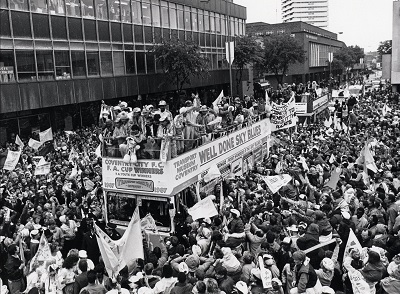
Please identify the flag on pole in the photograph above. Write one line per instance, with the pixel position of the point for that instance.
(72, 155)
(202, 209)
(305, 125)
(369, 160)
(266, 98)
(110, 260)
(212, 173)
(98, 151)
(218, 101)
(46, 135)
(43, 253)
(221, 197)
(334, 179)
(19, 142)
(34, 144)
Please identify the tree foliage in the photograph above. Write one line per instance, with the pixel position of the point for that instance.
(385, 47)
(280, 51)
(181, 61)
(247, 51)
(347, 57)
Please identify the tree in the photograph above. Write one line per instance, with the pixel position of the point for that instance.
(180, 61)
(247, 51)
(347, 57)
(385, 47)
(280, 51)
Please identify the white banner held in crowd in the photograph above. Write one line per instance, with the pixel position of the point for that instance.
(34, 144)
(274, 183)
(43, 253)
(19, 142)
(218, 101)
(42, 169)
(46, 135)
(283, 116)
(203, 208)
(352, 242)
(11, 160)
(212, 173)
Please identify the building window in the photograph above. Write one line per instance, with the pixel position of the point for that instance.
(106, 64)
(223, 25)
(19, 5)
(181, 19)
(155, 10)
(63, 67)
(41, 26)
(7, 66)
(4, 24)
(93, 63)
(146, 14)
(151, 64)
(116, 32)
(75, 29)
(114, 10)
(3, 4)
(126, 11)
(148, 35)
(73, 7)
(194, 19)
(212, 22)
(136, 12)
(103, 28)
(59, 30)
(78, 64)
(57, 7)
(200, 21)
(39, 6)
(138, 30)
(87, 8)
(172, 17)
(101, 9)
(118, 63)
(90, 30)
(128, 34)
(141, 63)
(21, 24)
(45, 65)
(26, 66)
(217, 23)
(188, 24)
(206, 21)
(130, 62)
(164, 16)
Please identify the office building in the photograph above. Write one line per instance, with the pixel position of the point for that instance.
(316, 42)
(60, 58)
(313, 12)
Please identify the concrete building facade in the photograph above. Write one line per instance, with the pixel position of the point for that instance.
(313, 12)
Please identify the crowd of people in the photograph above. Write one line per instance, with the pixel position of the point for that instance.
(259, 242)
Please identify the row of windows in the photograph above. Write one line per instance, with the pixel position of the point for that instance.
(24, 65)
(158, 14)
(61, 28)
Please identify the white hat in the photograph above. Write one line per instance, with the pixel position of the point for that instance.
(183, 267)
(162, 103)
(327, 290)
(62, 218)
(287, 240)
(235, 212)
(242, 287)
(328, 264)
(37, 226)
(123, 104)
(182, 110)
(34, 232)
(82, 254)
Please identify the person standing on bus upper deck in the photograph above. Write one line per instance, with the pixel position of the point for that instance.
(163, 110)
(167, 130)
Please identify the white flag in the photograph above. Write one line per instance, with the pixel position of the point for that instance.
(274, 183)
(352, 242)
(43, 169)
(34, 144)
(202, 209)
(212, 173)
(46, 135)
(43, 253)
(11, 159)
(19, 142)
(110, 260)
(72, 155)
(218, 101)
(332, 159)
(98, 151)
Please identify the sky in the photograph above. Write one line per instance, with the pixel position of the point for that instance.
(365, 23)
